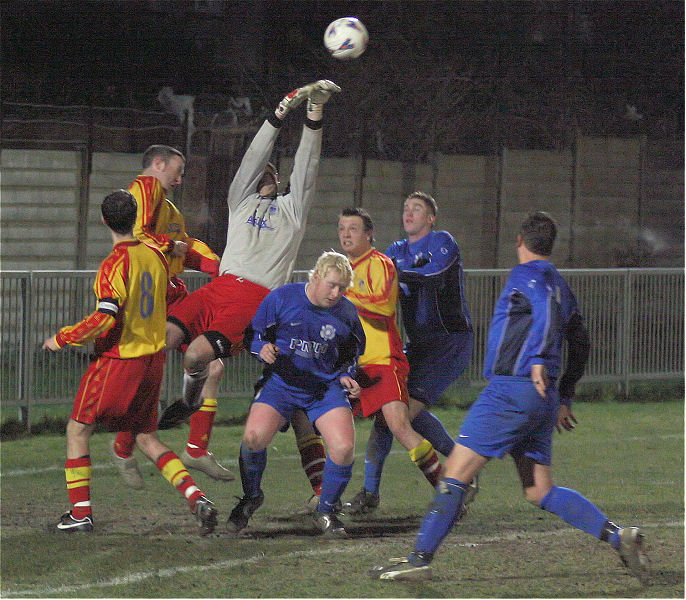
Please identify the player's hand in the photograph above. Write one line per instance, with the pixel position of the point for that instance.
(269, 353)
(319, 95)
(292, 100)
(179, 249)
(565, 419)
(352, 387)
(50, 344)
(540, 379)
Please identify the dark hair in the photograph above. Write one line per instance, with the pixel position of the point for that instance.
(160, 151)
(538, 233)
(358, 211)
(426, 199)
(119, 211)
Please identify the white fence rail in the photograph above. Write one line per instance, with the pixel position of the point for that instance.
(635, 318)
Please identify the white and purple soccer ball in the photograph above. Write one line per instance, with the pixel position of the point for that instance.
(346, 38)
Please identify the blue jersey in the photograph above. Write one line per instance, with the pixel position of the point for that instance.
(316, 345)
(431, 285)
(534, 314)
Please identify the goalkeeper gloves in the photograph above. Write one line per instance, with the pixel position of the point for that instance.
(318, 96)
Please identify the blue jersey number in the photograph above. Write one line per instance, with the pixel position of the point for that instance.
(147, 303)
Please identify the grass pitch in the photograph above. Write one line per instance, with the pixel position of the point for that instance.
(626, 457)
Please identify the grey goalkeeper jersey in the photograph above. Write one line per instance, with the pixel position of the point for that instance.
(264, 234)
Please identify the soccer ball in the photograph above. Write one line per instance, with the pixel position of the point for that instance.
(346, 38)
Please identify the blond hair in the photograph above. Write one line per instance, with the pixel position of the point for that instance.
(333, 260)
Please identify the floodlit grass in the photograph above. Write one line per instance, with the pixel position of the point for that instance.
(626, 457)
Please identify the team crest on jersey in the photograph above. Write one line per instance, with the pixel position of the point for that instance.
(174, 228)
(327, 332)
(260, 222)
(360, 284)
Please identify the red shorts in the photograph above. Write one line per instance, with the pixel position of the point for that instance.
(176, 291)
(121, 393)
(226, 304)
(380, 385)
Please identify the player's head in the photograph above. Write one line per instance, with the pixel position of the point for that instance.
(329, 279)
(538, 233)
(119, 211)
(355, 231)
(419, 214)
(165, 163)
(269, 183)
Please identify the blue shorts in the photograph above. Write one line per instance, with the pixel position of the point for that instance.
(435, 365)
(287, 399)
(509, 417)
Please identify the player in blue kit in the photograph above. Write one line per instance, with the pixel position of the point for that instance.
(439, 331)
(518, 410)
(309, 336)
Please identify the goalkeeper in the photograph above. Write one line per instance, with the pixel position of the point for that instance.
(263, 237)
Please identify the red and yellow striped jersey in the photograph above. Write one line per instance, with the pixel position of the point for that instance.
(159, 223)
(130, 317)
(374, 291)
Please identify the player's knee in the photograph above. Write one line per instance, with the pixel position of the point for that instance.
(254, 440)
(343, 452)
(196, 359)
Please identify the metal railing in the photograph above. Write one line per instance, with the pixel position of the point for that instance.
(635, 319)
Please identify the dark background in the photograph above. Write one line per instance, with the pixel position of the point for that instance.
(465, 76)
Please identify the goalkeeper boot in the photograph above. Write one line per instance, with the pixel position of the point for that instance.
(414, 568)
(329, 524)
(631, 551)
(175, 414)
(69, 524)
(128, 469)
(241, 513)
(208, 464)
(363, 502)
(206, 513)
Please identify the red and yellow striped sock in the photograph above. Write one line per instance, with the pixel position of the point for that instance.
(201, 428)
(425, 457)
(77, 472)
(312, 459)
(124, 444)
(174, 472)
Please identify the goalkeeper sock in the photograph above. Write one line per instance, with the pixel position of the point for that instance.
(124, 444)
(201, 428)
(576, 510)
(252, 466)
(430, 427)
(378, 448)
(77, 472)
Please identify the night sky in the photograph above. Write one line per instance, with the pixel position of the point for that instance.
(529, 71)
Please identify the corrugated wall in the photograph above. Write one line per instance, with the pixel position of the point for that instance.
(619, 202)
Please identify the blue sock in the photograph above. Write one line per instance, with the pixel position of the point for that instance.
(445, 510)
(430, 427)
(378, 448)
(334, 480)
(580, 512)
(252, 465)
